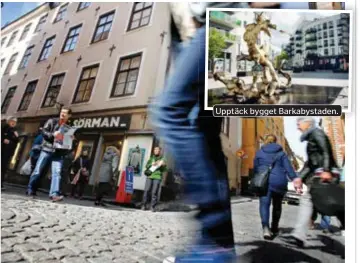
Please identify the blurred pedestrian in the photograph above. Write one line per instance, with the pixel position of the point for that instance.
(81, 168)
(107, 175)
(9, 141)
(157, 166)
(36, 149)
(320, 164)
(66, 172)
(272, 155)
(325, 222)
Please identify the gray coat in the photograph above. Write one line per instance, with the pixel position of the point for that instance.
(109, 164)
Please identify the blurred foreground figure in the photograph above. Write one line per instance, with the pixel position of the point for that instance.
(196, 146)
(321, 165)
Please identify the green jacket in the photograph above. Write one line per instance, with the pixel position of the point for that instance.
(159, 172)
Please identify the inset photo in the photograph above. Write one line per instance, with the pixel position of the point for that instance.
(278, 57)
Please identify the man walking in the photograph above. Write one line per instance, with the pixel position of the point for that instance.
(53, 130)
(157, 166)
(321, 162)
(9, 140)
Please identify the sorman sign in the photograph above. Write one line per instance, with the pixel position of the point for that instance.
(103, 122)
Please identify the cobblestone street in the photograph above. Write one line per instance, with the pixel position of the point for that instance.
(36, 230)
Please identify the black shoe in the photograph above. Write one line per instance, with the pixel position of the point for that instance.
(275, 231)
(97, 203)
(103, 204)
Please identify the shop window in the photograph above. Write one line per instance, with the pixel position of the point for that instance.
(10, 64)
(140, 15)
(83, 5)
(46, 50)
(225, 126)
(53, 90)
(26, 99)
(3, 40)
(25, 32)
(12, 38)
(86, 84)
(25, 60)
(126, 76)
(18, 152)
(7, 100)
(71, 39)
(41, 23)
(61, 13)
(103, 27)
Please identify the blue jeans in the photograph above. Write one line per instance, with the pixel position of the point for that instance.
(56, 167)
(44, 158)
(265, 202)
(325, 222)
(196, 149)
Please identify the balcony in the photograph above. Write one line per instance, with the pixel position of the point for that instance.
(298, 45)
(298, 32)
(332, 45)
(331, 26)
(311, 38)
(299, 51)
(313, 47)
(310, 31)
(298, 38)
(332, 35)
(291, 39)
(223, 19)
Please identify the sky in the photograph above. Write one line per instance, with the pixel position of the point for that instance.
(293, 136)
(13, 10)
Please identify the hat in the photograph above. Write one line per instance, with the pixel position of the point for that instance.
(11, 118)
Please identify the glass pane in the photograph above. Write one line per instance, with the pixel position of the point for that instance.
(138, 6)
(135, 62)
(102, 20)
(130, 87)
(94, 72)
(53, 81)
(119, 89)
(100, 30)
(82, 86)
(148, 4)
(145, 21)
(135, 24)
(104, 35)
(136, 16)
(72, 46)
(107, 27)
(60, 80)
(122, 77)
(147, 12)
(110, 18)
(90, 85)
(133, 75)
(87, 95)
(86, 74)
(79, 96)
(125, 64)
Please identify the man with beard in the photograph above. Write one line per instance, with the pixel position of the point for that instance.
(9, 140)
(320, 164)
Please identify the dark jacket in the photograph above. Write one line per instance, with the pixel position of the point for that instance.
(282, 169)
(51, 126)
(319, 153)
(8, 133)
(77, 164)
(36, 146)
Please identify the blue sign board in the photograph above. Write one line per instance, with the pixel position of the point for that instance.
(129, 180)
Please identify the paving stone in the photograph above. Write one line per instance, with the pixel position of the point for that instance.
(5, 248)
(11, 257)
(28, 247)
(100, 260)
(62, 253)
(74, 260)
(51, 246)
(12, 241)
(7, 215)
(7, 234)
(35, 257)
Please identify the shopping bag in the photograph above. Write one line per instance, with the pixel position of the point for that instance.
(26, 168)
(328, 197)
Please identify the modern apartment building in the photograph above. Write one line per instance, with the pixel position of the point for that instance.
(104, 60)
(321, 44)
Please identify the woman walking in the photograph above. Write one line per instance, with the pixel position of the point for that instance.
(272, 154)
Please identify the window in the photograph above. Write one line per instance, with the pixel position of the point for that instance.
(333, 51)
(45, 52)
(53, 90)
(3, 40)
(61, 13)
(25, 60)
(83, 5)
(140, 15)
(86, 84)
(25, 32)
(326, 52)
(326, 43)
(41, 23)
(71, 39)
(103, 27)
(26, 99)
(7, 100)
(10, 64)
(325, 34)
(225, 126)
(12, 38)
(126, 76)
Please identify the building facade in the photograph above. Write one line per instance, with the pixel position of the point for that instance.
(321, 44)
(334, 127)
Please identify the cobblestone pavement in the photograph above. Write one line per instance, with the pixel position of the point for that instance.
(37, 230)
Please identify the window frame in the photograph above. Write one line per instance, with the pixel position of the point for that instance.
(43, 48)
(48, 90)
(133, 12)
(60, 10)
(80, 9)
(67, 38)
(12, 38)
(25, 32)
(36, 81)
(98, 25)
(41, 22)
(22, 60)
(3, 111)
(6, 71)
(88, 79)
(118, 71)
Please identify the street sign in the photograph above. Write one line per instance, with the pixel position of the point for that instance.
(129, 180)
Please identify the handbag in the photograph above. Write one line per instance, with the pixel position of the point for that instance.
(26, 168)
(328, 197)
(260, 182)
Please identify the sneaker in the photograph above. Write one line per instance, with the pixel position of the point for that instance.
(267, 233)
(97, 203)
(343, 233)
(57, 198)
(153, 209)
(143, 208)
(221, 255)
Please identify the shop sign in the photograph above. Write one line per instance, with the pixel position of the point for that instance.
(103, 122)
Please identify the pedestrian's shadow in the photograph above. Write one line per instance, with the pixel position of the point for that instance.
(271, 252)
(332, 246)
